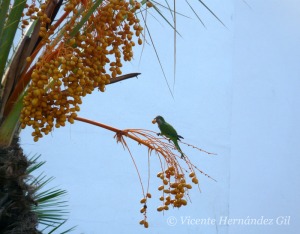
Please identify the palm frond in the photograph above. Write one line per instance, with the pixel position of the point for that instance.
(160, 63)
(50, 208)
(34, 163)
(8, 31)
(195, 14)
(158, 7)
(165, 18)
(57, 227)
(207, 8)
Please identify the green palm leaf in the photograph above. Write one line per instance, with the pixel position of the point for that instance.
(50, 208)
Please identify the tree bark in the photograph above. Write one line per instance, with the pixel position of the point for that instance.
(16, 196)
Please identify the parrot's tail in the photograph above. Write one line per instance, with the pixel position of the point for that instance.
(178, 148)
(178, 137)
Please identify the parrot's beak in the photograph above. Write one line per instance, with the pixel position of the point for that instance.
(154, 121)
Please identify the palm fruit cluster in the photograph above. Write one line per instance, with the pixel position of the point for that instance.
(30, 14)
(174, 188)
(143, 210)
(74, 65)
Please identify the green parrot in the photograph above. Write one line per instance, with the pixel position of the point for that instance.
(168, 131)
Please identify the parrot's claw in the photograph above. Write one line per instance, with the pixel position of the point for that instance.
(182, 156)
(158, 134)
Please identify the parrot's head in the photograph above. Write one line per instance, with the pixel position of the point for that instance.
(158, 119)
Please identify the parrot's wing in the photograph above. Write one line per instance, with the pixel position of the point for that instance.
(168, 130)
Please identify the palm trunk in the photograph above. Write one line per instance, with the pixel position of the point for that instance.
(16, 198)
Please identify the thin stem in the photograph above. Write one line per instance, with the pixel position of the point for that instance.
(124, 77)
(118, 131)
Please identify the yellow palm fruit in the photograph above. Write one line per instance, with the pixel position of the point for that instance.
(143, 200)
(142, 222)
(195, 180)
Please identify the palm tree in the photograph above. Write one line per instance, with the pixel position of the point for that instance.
(53, 53)
(16, 195)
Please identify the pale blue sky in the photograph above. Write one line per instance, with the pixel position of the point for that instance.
(235, 94)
